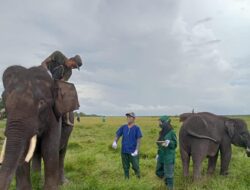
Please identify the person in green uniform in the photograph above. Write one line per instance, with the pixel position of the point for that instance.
(60, 68)
(167, 143)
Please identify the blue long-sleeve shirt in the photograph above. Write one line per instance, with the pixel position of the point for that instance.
(129, 137)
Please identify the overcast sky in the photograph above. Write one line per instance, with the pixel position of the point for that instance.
(152, 57)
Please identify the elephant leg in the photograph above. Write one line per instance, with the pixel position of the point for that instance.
(226, 153)
(37, 162)
(212, 164)
(37, 159)
(23, 181)
(185, 157)
(197, 163)
(66, 131)
(62, 178)
(50, 154)
(198, 154)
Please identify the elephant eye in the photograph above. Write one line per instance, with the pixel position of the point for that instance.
(42, 104)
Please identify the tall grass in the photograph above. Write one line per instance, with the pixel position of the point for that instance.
(91, 163)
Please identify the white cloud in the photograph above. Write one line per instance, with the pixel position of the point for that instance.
(89, 91)
(166, 56)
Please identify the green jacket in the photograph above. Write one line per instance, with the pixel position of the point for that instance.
(167, 154)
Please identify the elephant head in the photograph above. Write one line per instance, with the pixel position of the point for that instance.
(239, 134)
(31, 99)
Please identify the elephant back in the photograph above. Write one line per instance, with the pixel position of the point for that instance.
(203, 127)
(184, 116)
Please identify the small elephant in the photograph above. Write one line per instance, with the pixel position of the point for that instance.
(34, 104)
(205, 135)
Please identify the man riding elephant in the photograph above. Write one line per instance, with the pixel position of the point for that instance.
(60, 68)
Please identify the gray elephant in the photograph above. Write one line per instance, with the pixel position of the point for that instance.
(205, 135)
(34, 104)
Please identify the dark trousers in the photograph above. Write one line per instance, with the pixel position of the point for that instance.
(166, 171)
(134, 160)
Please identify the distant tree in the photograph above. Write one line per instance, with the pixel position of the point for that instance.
(82, 114)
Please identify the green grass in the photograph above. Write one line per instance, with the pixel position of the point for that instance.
(92, 164)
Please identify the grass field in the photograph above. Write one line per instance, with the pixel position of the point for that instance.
(92, 164)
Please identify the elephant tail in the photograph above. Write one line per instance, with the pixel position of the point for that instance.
(202, 136)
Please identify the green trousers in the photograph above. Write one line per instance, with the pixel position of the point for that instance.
(166, 171)
(134, 160)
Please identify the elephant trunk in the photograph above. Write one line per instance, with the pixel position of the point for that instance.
(11, 157)
(30, 152)
(11, 154)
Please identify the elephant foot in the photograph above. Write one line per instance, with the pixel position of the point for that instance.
(225, 173)
(210, 172)
(63, 180)
(46, 187)
(28, 187)
(196, 178)
(186, 174)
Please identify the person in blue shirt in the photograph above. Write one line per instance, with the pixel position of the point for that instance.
(131, 138)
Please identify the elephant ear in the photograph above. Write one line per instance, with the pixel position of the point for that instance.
(199, 127)
(66, 99)
(230, 127)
